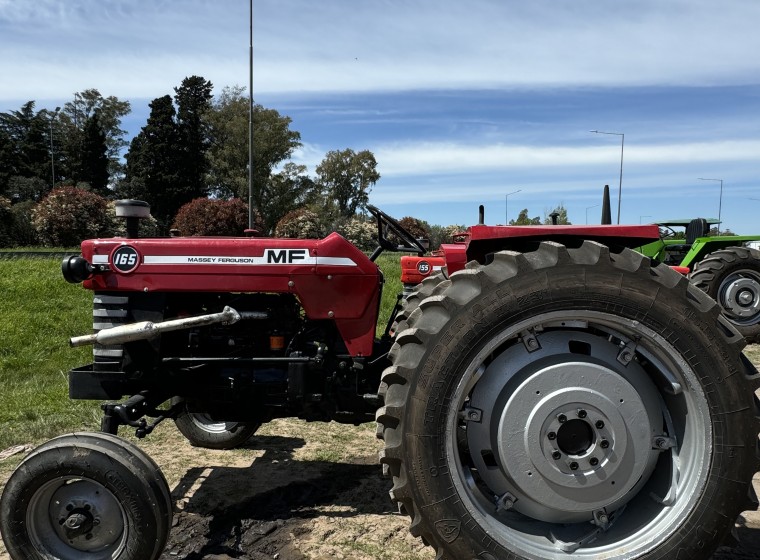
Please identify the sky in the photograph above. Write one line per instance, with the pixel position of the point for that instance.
(462, 103)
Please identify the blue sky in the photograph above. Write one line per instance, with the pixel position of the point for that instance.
(461, 102)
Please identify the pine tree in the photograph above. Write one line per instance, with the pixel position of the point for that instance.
(93, 167)
(193, 101)
(152, 172)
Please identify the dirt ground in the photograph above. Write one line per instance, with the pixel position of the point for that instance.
(282, 498)
(276, 503)
(301, 491)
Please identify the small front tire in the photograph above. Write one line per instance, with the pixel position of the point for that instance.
(85, 495)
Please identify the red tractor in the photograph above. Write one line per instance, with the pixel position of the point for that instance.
(550, 396)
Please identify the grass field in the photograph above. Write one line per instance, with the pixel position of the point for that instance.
(38, 312)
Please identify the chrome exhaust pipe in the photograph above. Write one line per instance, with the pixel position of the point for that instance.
(146, 330)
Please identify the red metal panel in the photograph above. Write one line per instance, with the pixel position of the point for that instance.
(415, 269)
(331, 278)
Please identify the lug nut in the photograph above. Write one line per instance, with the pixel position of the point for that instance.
(599, 424)
(556, 455)
(594, 461)
(573, 466)
(582, 413)
(552, 436)
(604, 444)
(562, 418)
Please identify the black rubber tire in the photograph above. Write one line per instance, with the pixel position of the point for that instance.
(103, 477)
(427, 397)
(423, 290)
(202, 431)
(150, 471)
(718, 271)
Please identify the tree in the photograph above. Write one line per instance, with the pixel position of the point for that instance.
(228, 150)
(284, 192)
(193, 101)
(274, 193)
(273, 143)
(6, 223)
(93, 167)
(443, 234)
(74, 117)
(524, 220)
(7, 158)
(714, 232)
(25, 144)
(152, 172)
(347, 177)
(562, 218)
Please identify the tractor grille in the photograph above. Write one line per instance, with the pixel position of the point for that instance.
(108, 311)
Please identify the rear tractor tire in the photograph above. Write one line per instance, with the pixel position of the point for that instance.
(203, 431)
(570, 403)
(89, 496)
(732, 278)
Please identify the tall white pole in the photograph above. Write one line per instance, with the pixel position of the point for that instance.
(250, 121)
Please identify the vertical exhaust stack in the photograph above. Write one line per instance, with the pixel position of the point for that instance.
(481, 215)
(133, 211)
(606, 210)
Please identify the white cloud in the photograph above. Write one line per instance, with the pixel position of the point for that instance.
(142, 48)
(431, 158)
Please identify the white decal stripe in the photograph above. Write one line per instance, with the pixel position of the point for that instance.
(100, 259)
(243, 261)
(335, 261)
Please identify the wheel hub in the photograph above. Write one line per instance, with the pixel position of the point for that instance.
(740, 297)
(564, 439)
(575, 437)
(576, 473)
(85, 516)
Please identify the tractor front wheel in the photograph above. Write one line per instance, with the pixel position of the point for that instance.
(732, 278)
(86, 495)
(569, 403)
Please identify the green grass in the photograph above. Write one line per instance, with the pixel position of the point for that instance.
(390, 264)
(39, 311)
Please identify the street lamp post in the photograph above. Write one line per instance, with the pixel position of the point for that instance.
(589, 208)
(506, 206)
(622, 147)
(720, 199)
(52, 151)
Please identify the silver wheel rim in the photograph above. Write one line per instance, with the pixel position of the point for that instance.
(71, 517)
(543, 450)
(208, 424)
(739, 296)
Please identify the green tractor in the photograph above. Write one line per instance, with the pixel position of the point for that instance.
(723, 266)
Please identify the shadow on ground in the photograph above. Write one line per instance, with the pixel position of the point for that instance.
(258, 511)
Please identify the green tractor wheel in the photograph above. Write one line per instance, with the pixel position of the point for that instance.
(731, 276)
